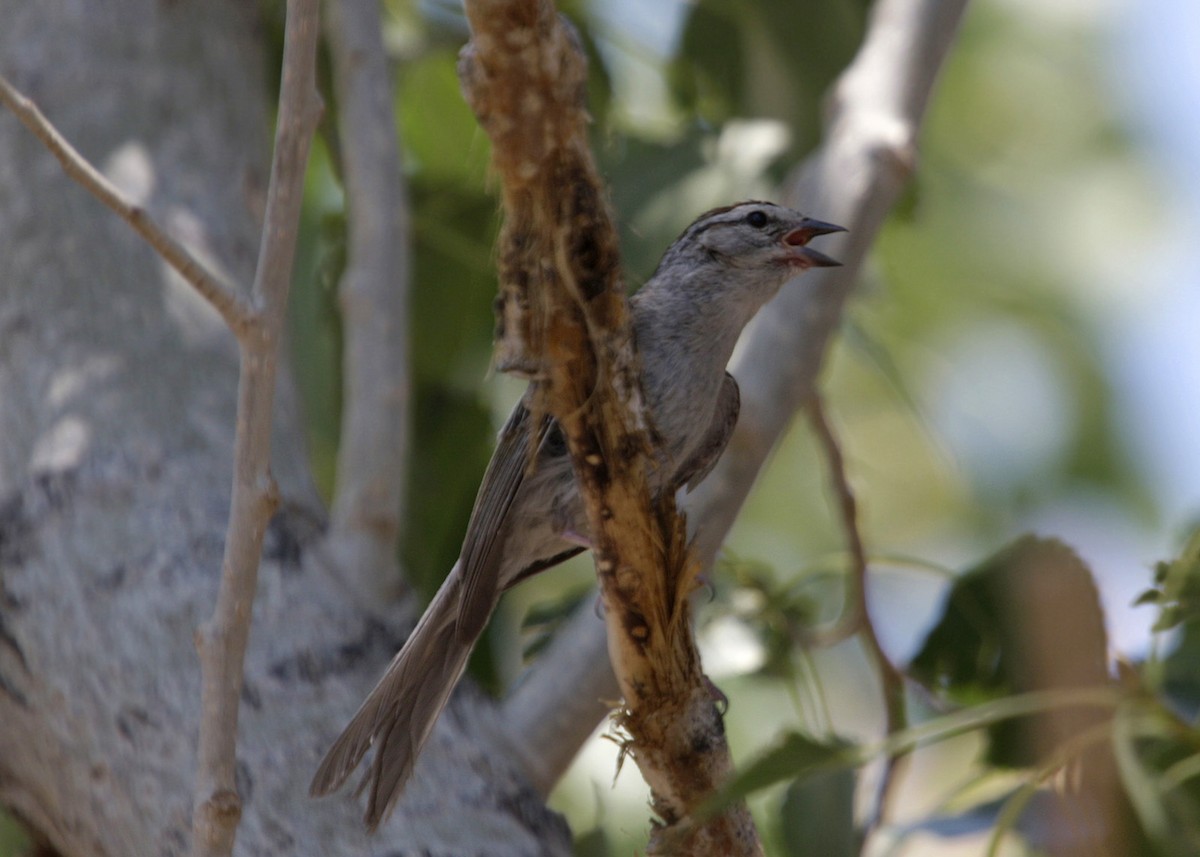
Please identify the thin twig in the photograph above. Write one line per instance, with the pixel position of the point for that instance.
(858, 614)
(223, 297)
(373, 450)
(222, 640)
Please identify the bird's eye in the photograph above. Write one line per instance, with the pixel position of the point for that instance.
(757, 219)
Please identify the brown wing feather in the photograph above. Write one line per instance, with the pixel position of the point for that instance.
(398, 715)
(486, 532)
(708, 452)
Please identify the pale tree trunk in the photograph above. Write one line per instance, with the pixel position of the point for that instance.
(117, 395)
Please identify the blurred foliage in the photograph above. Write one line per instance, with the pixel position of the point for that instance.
(972, 385)
(983, 648)
(795, 756)
(1176, 589)
(543, 620)
(984, 673)
(13, 839)
(729, 49)
(1177, 596)
(816, 817)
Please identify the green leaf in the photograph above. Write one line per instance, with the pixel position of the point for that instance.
(1026, 619)
(1178, 587)
(1150, 596)
(641, 171)
(594, 843)
(1150, 746)
(794, 756)
(817, 817)
(1181, 671)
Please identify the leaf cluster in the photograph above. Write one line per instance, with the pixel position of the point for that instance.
(1104, 762)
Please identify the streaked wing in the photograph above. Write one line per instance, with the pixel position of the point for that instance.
(486, 532)
(708, 452)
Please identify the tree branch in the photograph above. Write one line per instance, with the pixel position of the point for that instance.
(221, 641)
(854, 178)
(856, 618)
(373, 451)
(564, 323)
(223, 297)
(560, 699)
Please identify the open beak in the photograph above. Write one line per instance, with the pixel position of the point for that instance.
(799, 237)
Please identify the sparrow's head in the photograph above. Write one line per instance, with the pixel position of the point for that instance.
(759, 235)
(741, 254)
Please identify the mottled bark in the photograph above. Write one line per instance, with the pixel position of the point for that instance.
(117, 396)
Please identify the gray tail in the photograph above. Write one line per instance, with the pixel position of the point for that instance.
(398, 715)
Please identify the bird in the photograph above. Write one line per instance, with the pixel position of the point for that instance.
(528, 515)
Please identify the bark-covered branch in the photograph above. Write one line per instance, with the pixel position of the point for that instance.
(856, 618)
(854, 178)
(373, 445)
(564, 323)
(221, 641)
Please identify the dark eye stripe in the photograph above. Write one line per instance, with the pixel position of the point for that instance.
(712, 218)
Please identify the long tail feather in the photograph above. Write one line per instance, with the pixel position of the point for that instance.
(399, 714)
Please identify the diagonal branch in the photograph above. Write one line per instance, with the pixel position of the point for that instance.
(232, 307)
(854, 178)
(366, 510)
(857, 615)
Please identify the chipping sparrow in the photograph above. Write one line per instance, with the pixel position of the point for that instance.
(686, 320)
